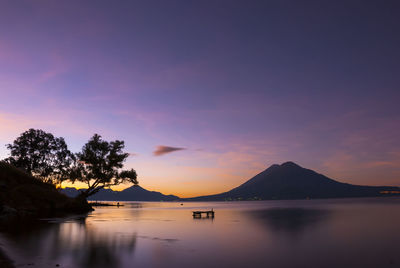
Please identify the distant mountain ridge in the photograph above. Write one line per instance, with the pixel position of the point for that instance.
(285, 181)
(133, 193)
(291, 181)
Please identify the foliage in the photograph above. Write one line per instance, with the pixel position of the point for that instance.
(42, 155)
(99, 164)
(47, 157)
(128, 176)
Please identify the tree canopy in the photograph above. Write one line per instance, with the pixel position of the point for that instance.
(42, 155)
(46, 157)
(99, 165)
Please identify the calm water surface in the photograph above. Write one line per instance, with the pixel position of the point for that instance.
(307, 233)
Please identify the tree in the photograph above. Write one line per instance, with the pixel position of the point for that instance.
(99, 165)
(42, 155)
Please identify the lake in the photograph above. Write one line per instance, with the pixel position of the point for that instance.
(299, 233)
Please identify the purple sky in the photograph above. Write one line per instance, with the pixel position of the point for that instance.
(208, 93)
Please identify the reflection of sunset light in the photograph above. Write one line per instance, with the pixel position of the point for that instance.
(390, 192)
(72, 233)
(141, 234)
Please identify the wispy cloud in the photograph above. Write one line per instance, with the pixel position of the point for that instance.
(162, 149)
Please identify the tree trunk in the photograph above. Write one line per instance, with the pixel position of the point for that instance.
(90, 191)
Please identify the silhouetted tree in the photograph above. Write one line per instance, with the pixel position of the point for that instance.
(99, 164)
(42, 155)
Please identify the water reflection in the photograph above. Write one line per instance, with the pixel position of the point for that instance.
(50, 242)
(103, 251)
(291, 220)
(280, 234)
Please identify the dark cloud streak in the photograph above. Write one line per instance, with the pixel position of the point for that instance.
(161, 150)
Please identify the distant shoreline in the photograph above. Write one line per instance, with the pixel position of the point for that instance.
(106, 202)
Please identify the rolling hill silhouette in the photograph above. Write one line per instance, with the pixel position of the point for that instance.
(291, 181)
(133, 193)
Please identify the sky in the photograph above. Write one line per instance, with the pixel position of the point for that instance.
(206, 94)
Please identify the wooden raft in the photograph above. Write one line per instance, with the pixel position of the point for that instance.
(208, 213)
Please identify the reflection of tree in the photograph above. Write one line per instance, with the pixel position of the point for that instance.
(291, 220)
(134, 205)
(104, 250)
(73, 242)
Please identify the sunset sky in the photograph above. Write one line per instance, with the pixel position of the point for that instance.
(207, 94)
